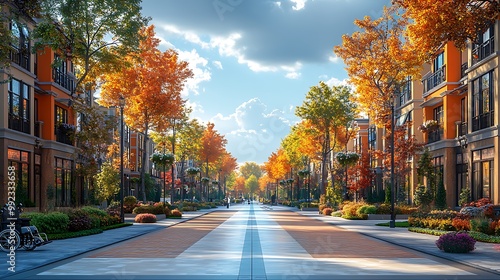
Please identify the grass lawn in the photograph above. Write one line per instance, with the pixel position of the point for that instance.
(398, 224)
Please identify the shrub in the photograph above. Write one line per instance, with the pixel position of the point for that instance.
(145, 218)
(176, 213)
(367, 209)
(129, 203)
(54, 222)
(151, 209)
(94, 211)
(327, 211)
(114, 209)
(384, 209)
(481, 225)
(456, 242)
(80, 220)
(461, 224)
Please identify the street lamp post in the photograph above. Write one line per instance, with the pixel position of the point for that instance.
(392, 223)
(122, 105)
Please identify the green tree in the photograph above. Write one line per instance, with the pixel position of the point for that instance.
(328, 109)
(251, 168)
(94, 34)
(440, 202)
(251, 184)
(107, 182)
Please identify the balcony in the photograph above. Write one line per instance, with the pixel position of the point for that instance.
(481, 51)
(434, 136)
(463, 68)
(461, 128)
(64, 136)
(482, 121)
(21, 58)
(19, 124)
(63, 79)
(434, 79)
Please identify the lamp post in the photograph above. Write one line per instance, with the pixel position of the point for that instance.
(122, 105)
(392, 223)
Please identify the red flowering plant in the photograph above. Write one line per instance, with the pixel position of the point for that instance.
(456, 242)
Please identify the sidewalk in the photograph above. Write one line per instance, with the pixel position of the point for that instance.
(63, 249)
(486, 256)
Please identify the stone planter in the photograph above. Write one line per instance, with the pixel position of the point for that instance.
(386, 217)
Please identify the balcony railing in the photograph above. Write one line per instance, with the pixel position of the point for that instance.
(63, 79)
(435, 79)
(481, 51)
(38, 128)
(63, 137)
(19, 124)
(434, 136)
(462, 129)
(21, 58)
(482, 121)
(463, 68)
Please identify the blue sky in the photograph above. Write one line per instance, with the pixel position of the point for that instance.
(255, 60)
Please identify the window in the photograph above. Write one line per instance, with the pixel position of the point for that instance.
(482, 173)
(63, 182)
(61, 116)
(60, 74)
(20, 53)
(462, 174)
(20, 160)
(19, 106)
(405, 92)
(438, 169)
(482, 102)
(438, 62)
(485, 45)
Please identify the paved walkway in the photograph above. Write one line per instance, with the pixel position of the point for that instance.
(252, 242)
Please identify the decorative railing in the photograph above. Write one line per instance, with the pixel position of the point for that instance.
(462, 128)
(63, 79)
(434, 79)
(434, 136)
(21, 58)
(19, 124)
(482, 121)
(463, 68)
(481, 51)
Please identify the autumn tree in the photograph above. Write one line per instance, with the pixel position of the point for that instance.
(327, 109)
(227, 164)
(379, 59)
(239, 186)
(151, 85)
(108, 183)
(433, 23)
(251, 168)
(94, 34)
(213, 146)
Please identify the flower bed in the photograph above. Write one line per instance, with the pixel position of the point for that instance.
(456, 242)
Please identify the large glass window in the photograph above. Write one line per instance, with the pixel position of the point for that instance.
(20, 53)
(19, 106)
(482, 102)
(484, 46)
(20, 161)
(438, 62)
(462, 174)
(482, 170)
(63, 182)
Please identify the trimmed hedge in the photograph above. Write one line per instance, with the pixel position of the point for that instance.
(51, 223)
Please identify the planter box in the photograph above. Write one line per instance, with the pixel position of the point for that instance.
(386, 217)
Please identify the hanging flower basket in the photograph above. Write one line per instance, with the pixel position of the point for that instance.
(193, 170)
(205, 180)
(66, 127)
(289, 181)
(303, 173)
(429, 125)
(162, 159)
(215, 182)
(348, 158)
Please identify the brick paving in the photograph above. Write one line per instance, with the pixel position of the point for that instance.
(322, 240)
(168, 242)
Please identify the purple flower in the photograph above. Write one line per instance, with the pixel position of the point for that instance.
(456, 242)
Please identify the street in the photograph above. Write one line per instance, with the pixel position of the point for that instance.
(254, 242)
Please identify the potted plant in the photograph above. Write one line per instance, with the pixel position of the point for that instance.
(429, 125)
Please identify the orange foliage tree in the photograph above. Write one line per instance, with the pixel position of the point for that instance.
(378, 59)
(277, 165)
(227, 164)
(436, 22)
(151, 83)
(213, 146)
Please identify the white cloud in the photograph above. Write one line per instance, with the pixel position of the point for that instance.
(292, 75)
(217, 64)
(253, 130)
(299, 4)
(335, 59)
(198, 65)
